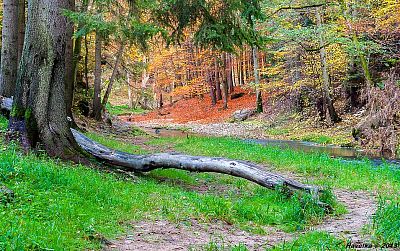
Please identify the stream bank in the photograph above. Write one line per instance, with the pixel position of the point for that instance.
(255, 133)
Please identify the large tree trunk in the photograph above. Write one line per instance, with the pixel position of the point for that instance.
(97, 80)
(113, 75)
(9, 49)
(325, 74)
(259, 101)
(39, 112)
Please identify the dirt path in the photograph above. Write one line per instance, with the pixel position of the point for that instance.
(164, 235)
(241, 130)
(167, 236)
(361, 206)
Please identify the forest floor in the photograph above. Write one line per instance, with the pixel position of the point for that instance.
(197, 116)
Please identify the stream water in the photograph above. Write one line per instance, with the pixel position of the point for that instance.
(346, 153)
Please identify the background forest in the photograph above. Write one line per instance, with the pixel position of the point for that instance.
(323, 63)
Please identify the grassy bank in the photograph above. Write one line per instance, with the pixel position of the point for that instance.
(61, 206)
(293, 126)
(118, 110)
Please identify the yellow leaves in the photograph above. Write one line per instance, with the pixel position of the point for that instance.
(388, 15)
(337, 61)
(133, 54)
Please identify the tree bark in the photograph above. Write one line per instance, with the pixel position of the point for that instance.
(113, 75)
(225, 81)
(325, 74)
(69, 71)
(78, 45)
(217, 79)
(21, 27)
(244, 68)
(228, 70)
(9, 49)
(39, 111)
(96, 113)
(212, 88)
(259, 100)
(130, 94)
(147, 163)
(87, 65)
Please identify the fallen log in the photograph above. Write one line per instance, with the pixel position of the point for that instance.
(6, 104)
(146, 163)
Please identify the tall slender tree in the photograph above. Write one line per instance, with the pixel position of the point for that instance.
(328, 102)
(97, 108)
(9, 49)
(21, 26)
(259, 99)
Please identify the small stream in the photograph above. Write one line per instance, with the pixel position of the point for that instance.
(346, 153)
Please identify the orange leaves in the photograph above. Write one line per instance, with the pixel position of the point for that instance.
(199, 110)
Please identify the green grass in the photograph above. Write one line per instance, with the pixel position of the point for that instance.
(123, 110)
(63, 206)
(313, 241)
(113, 143)
(220, 246)
(386, 223)
(317, 168)
(3, 124)
(277, 131)
(317, 138)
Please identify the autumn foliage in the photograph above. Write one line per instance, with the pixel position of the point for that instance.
(196, 110)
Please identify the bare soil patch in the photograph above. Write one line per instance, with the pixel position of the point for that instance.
(164, 235)
(361, 207)
(167, 236)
